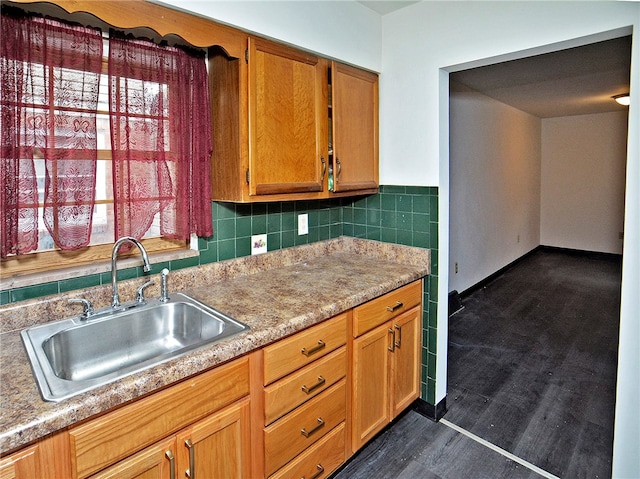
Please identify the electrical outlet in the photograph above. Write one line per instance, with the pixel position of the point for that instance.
(303, 224)
(258, 244)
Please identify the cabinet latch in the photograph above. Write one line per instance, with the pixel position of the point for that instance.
(246, 55)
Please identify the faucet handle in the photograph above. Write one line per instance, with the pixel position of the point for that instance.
(140, 293)
(164, 290)
(87, 307)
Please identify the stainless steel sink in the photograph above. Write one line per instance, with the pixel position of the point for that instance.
(75, 355)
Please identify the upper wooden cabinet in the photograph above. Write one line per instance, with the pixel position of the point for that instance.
(287, 126)
(271, 125)
(354, 111)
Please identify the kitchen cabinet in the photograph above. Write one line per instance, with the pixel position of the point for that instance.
(185, 426)
(217, 446)
(354, 135)
(45, 459)
(305, 393)
(386, 360)
(22, 464)
(294, 137)
(287, 127)
(269, 123)
(154, 462)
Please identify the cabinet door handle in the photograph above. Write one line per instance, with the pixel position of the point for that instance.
(395, 307)
(339, 169)
(324, 168)
(308, 352)
(315, 428)
(317, 474)
(399, 341)
(393, 340)
(309, 390)
(191, 472)
(172, 464)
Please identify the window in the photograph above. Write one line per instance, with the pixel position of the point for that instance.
(77, 187)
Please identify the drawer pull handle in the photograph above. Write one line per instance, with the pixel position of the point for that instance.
(399, 341)
(172, 464)
(315, 428)
(308, 352)
(309, 390)
(191, 472)
(398, 305)
(317, 474)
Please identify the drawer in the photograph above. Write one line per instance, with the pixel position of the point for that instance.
(116, 435)
(302, 348)
(292, 434)
(375, 312)
(288, 393)
(319, 461)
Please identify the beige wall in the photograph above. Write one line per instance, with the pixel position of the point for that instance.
(583, 176)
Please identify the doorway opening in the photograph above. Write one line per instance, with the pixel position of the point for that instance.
(533, 163)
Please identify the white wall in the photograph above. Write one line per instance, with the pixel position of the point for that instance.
(583, 175)
(494, 186)
(342, 30)
(420, 44)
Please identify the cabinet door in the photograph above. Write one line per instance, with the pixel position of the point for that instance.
(355, 128)
(218, 446)
(370, 406)
(22, 464)
(287, 120)
(154, 462)
(405, 364)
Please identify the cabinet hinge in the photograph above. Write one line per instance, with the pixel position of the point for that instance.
(246, 55)
(247, 176)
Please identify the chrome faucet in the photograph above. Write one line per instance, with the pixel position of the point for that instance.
(115, 298)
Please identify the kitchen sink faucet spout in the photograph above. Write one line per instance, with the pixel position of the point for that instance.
(115, 298)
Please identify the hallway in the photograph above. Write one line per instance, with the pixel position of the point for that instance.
(532, 367)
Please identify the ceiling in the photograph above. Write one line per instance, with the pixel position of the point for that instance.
(575, 81)
(386, 6)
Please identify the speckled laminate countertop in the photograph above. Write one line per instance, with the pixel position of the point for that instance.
(275, 294)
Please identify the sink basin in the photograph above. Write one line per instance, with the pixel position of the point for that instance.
(73, 355)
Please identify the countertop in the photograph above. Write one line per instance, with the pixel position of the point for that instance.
(276, 294)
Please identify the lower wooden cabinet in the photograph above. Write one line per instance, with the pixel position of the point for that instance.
(216, 447)
(386, 363)
(48, 458)
(206, 416)
(319, 460)
(294, 433)
(23, 464)
(155, 462)
(305, 394)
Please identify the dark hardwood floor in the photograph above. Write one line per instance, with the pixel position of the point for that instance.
(532, 369)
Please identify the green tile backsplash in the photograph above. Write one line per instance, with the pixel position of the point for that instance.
(397, 214)
(405, 215)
